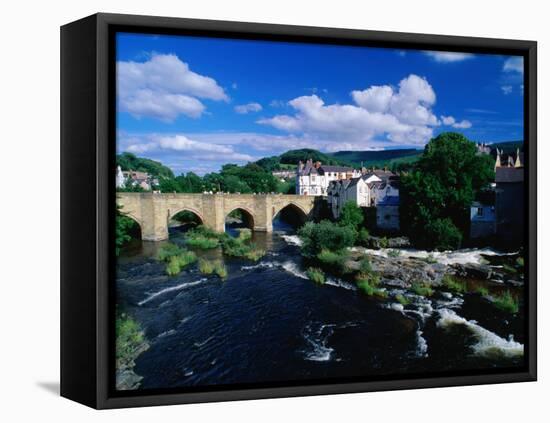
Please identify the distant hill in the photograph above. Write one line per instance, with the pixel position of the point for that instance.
(290, 159)
(294, 156)
(379, 158)
(129, 161)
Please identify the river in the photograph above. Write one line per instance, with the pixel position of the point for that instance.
(268, 323)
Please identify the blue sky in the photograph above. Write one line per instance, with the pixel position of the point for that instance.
(196, 103)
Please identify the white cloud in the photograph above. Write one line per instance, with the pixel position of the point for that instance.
(507, 89)
(164, 87)
(243, 109)
(193, 149)
(451, 121)
(380, 113)
(513, 64)
(448, 56)
(277, 103)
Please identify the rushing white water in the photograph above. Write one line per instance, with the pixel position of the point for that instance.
(262, 265)
(488, 344)
(317, 335)
(340, 284)
(422, 345)
(293, 269)
(170, 289)
(292, 239)
(444, 257)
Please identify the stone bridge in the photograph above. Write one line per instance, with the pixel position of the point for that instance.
(153, 211)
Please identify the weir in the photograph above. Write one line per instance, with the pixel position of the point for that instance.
(153, 211)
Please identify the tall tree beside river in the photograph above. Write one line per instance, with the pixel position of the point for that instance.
(436, 195)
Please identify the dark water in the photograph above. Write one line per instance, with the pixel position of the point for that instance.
(267, 322)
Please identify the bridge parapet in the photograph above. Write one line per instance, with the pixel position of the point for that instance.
(153, 211)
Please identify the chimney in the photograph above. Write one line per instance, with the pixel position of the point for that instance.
(300, 165)
(497, 163)
(317, 164)
(518, 161)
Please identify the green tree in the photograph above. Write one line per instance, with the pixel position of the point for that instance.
(436, 196)
(351, 215)
(325, 235)
(169, 185)
(123, 224)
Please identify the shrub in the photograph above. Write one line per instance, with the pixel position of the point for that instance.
(236, 248)
(383, 242)
(316, 275)
(520, 262)
(177, 263)
(245, 234)
(365, 266)
(203, 238)
(422, 289)
(325, 235)
(506, 302)
(363, 237)
(254, 253)
(368, 284)
(430, 259)
(351, 215)
(206, 267)
(442, 234)
(333, 261)
(394, 253)
(482, 290)
(172, 267)
(220, 269)
(401, 299)
(167, 251)
(130, 340)
(453, 284)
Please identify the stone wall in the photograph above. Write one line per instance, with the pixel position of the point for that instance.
(154, 211)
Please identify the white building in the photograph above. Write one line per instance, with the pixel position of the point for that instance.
(120, 180)
(368, 190)
(314, 178)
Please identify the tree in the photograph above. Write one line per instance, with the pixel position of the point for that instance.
(351, 215)
(436, 196)
(325, 236)
(123, 224)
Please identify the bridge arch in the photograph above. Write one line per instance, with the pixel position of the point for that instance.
(174, 213)
(248, 217)
(137, 231)
(292, 213)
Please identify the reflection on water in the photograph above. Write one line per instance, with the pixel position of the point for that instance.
(268, 322)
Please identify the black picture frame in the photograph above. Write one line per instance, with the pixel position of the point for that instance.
(88, 199)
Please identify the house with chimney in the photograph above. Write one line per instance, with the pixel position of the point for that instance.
(313, 178)
(374, 188)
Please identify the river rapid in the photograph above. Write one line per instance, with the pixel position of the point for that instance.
(268, 323)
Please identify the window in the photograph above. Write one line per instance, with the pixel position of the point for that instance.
(480, 211)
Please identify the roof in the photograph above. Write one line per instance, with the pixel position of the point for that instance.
(391, 200)
(326, 168)
(508, 174)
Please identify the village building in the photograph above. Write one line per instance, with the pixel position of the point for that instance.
(376, 188)
(509, 210)
(120, 181)
(314, 178)
(387, 213)
(483, 217)
(283, 175)
(135, 178)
